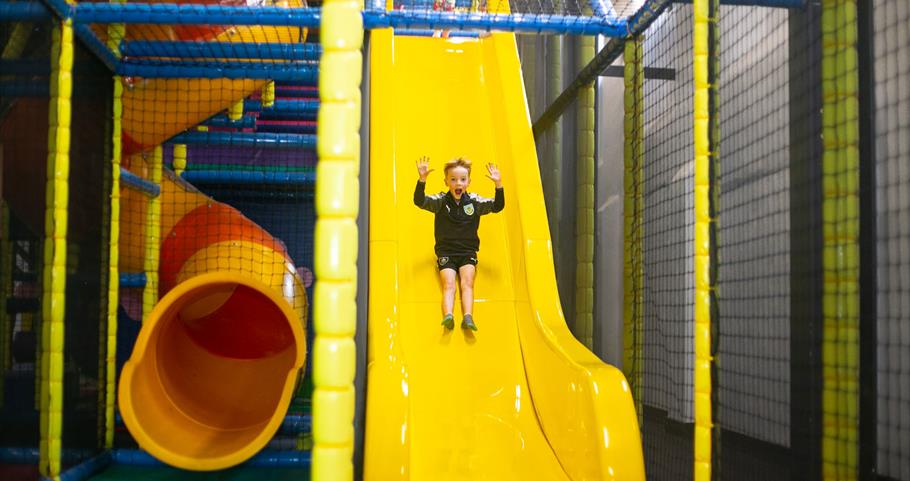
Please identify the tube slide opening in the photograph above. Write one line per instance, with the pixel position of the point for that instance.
(213, 372)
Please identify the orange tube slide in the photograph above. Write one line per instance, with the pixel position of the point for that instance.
(216, 362)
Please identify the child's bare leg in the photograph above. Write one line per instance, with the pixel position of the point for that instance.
(466, 274)
(447, 276)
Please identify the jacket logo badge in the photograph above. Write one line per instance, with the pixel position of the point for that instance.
(469, 209)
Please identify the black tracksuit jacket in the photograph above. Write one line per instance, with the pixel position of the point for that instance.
(457, 222)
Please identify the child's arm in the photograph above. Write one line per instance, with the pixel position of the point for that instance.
(432, 202)
(486, 206)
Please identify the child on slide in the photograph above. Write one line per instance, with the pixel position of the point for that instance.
(457, 219)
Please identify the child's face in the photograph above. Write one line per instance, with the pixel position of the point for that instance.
(458, 179)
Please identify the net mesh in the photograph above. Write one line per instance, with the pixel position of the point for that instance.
(24, 101)
(892, 149)
(23, 127)
(753, 248)
(239, 160)
(667, 224)
(787, 319)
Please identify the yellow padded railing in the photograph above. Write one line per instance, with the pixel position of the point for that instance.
(633, 154)
(584, 202)
(152, 231)
(703, 36)
(335, 246)
(54, 275)
(840, 261)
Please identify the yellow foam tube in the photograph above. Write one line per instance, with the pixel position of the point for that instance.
(216, 362)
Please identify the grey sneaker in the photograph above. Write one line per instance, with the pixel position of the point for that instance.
(448, 321)
(468, 323)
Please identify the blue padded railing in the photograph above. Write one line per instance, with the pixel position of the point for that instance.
(132, 279)
(195, 14)
(244, 177)
(247, 139)
(426, 32)
(303, 72)
(262, 51)
(550, 24)
(135, 182)
(88, 468)
(223, 121)
(264, 459)
(284, 109)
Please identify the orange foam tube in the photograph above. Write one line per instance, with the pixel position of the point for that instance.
(217, 360)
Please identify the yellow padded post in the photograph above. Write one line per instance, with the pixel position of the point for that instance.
(268, 94)
(703, 54)
(152, 236)
(54, 275)
(584, 202)
(337, 198)
(113, 282)
(108, 367)
(633, 154)
(840, 258)
(236, 111)
(179, 159)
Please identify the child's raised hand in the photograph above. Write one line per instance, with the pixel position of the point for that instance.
(494, 175)
(423, 168)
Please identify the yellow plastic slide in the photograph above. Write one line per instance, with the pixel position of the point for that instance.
(520, 399)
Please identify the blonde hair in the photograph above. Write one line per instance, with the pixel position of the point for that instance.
(457, 162)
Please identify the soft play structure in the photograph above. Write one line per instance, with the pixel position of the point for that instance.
(527, 401)
(518, 375)
(212, 267)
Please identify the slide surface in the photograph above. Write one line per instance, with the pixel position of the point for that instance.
(521, 398)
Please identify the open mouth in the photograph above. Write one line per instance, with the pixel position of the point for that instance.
(458, 192)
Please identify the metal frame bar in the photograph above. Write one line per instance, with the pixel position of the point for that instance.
(868, 261)
(805, 242)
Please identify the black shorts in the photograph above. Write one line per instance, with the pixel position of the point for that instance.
(455, 262)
